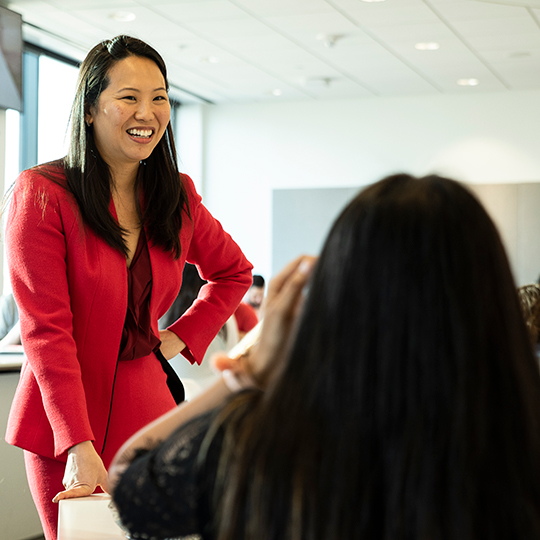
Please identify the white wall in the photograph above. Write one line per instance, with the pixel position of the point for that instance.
(3, 136)
(18, 515)
(248, 150)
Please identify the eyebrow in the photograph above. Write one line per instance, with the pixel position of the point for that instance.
(128, 88)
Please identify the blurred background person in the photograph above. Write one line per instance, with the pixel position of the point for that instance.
(529, 297)
(249, 311)
(246, 319)
(255, 294)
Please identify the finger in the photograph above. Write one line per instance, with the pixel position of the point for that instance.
(105, 486)
(287, 298)
(73, 492)
(221, 362)
(247, 342)
(277, 282)
(277, 324)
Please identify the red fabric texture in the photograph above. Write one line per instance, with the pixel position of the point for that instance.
(71, 290)
(246, 318)
(45, 481)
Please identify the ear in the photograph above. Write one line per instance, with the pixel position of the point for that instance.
(88, 119)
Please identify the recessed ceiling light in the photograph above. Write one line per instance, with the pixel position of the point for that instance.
(427, 46)
(123, 16)
(210, 59)
(277, 92)
(468, 82)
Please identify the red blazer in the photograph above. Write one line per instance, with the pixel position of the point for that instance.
(71, 290)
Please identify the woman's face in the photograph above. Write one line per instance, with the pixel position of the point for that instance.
(132, 113)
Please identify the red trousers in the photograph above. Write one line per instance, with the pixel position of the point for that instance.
(45, 481)
(141, 395)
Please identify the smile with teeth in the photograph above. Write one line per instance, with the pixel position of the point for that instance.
(142, 133)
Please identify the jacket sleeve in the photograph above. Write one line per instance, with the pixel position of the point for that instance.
(166, 492)
(221, 262)
(37, 237)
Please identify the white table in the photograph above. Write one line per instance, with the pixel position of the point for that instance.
(88, 518)
(11, 361)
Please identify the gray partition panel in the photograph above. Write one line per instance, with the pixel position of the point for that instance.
(301, 219)
(528, 241)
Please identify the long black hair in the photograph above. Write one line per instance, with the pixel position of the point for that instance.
(88, 176)
(192, 283)
(409, 404)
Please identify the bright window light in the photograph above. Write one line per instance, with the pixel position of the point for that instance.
(57, 81)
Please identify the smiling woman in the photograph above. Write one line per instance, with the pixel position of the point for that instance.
(129, 120)
(96, 245)
(131, 115)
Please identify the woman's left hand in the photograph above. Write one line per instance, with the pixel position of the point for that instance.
(84, 472)
(171, 344)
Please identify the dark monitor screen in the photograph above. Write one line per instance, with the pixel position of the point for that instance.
(11, 49)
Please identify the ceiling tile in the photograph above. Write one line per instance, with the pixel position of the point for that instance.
(470, 10)
(496, 27)
(256, 44)
(413, 32)
(521, 42)
(209, 10)
(269, 8)
(388, 13)
(146, 26)
(73, 5)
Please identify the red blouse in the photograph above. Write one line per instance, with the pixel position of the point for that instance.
(138, 340)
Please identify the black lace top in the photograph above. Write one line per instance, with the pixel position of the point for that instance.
(167, 492)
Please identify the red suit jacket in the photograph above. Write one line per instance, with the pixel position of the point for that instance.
(71, 289)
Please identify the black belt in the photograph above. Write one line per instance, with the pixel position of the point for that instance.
(173, 381)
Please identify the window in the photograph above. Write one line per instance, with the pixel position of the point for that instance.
(12, 147)
(56, 88)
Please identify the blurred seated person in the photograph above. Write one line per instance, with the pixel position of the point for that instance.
(255, 294)
(248, 312)
(397, 397)
(10, 331)
(246, 319)
(196, 377)
(529, 297)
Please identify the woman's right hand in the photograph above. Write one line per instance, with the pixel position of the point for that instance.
(84, 472)
(281, 307)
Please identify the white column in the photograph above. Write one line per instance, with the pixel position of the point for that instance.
(190, 143)
(2, 184)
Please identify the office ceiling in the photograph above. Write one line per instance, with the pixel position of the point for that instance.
(238, 51)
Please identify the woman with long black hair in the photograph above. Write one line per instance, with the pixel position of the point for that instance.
(96, 246)
(403, 403)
